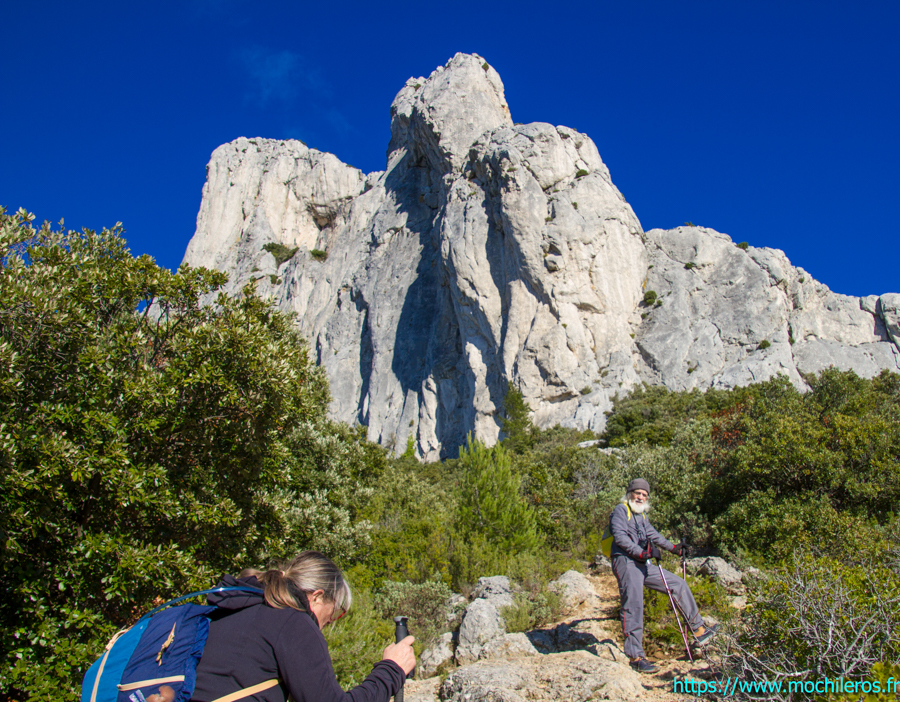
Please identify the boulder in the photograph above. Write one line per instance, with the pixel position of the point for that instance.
(481, 624)
(564, 677)
(435, 656)
(573, 588)
(496, 590)
(720, 570)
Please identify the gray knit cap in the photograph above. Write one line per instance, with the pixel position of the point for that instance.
(639, 484)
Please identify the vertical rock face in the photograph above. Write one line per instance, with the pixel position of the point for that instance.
(489, 253)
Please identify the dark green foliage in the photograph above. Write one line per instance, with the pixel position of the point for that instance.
(649, 297)
(515, 420)
(491, 504)
(581, 173)
(411, 512)
(426, 605)
(743, 245)
(281, 252)
(764, 344)
(690, 266)
(532, 610)
(653, 413)
(318, 254)
(561, 483)
(813, 467)
(148, 444)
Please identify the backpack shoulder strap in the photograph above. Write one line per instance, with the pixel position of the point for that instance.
(248, 691)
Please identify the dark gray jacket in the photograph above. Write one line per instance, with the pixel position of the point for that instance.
(631, 536)
(250, 642)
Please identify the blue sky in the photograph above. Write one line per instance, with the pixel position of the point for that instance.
(774, 122)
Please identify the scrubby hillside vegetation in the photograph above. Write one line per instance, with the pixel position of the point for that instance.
(149, 444)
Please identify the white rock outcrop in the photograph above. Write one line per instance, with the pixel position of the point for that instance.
(488, 253)
(573, 587)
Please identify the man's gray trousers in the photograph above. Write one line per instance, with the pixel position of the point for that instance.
(633, 577)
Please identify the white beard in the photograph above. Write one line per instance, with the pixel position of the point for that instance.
(639, 508)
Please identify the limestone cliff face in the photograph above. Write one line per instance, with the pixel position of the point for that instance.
(489, 253)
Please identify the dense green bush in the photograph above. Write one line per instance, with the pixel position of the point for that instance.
(148, 444)
(280, 252)
(411, 511)
(426, 604)
(532, 610)
(491, 504)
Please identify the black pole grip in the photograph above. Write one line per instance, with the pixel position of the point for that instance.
(401, 631)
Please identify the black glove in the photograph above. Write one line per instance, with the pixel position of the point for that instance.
(650, 551)
(678, 549)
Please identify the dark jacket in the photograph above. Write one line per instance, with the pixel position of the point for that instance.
(631, 536)
(250, 642)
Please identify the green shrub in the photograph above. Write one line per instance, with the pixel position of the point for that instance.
(690, 266)
(817, 618)
(142, 456)
(281, 252)
(586, 390)
(491, 502)
(649, 297)
(426, 604)
(743, 245)
(764, 344)
(531, 611)
(318, 254)
(581, 173)
(411, 511)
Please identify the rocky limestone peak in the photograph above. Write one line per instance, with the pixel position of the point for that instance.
(489, 253)
(438, 118)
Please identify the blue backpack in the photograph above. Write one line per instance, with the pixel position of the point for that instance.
(156, 659)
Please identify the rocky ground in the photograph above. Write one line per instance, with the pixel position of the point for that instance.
(590, 664)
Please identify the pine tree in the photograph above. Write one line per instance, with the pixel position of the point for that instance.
(491, 502)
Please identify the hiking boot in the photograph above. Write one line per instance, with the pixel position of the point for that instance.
(708, 633)
(642, 665)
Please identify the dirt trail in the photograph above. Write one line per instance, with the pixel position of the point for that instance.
(594, 628)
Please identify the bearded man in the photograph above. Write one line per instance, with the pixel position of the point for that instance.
(635, 542)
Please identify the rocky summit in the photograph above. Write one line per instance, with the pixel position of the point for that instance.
(489, 253)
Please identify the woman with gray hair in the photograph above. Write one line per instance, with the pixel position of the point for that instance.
(635, 542)
(269, 645)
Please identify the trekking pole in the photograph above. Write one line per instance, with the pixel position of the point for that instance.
(683, 560)
(400, 633)
(675, 609)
